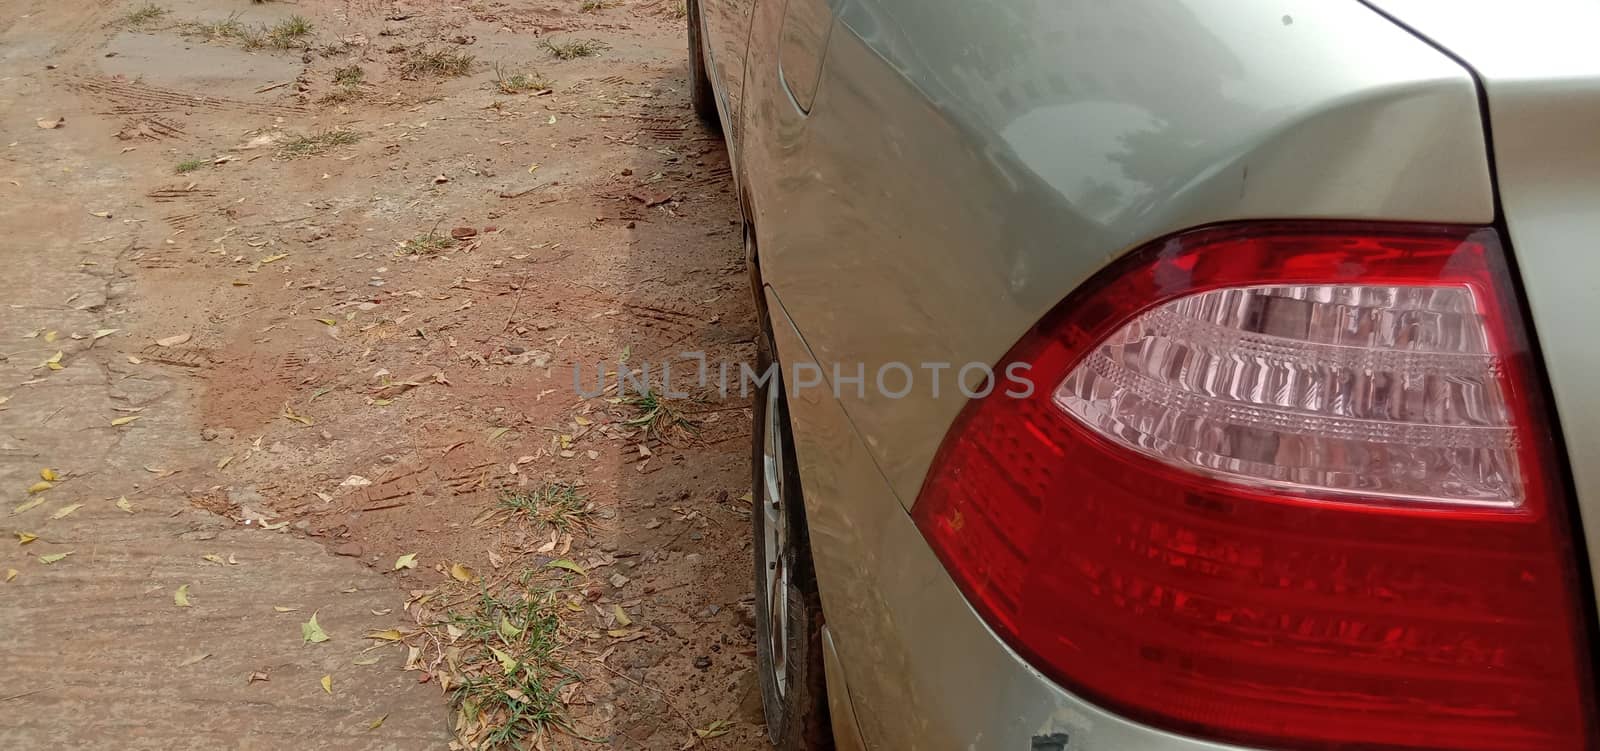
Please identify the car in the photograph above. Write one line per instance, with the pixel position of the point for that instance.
(1169, 375)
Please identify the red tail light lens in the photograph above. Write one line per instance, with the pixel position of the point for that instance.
(1281, 485)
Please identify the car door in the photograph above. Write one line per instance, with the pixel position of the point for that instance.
(727, 33)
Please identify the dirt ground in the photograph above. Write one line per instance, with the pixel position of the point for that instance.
(274, 329)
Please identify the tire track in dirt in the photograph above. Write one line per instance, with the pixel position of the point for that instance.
(133, 98)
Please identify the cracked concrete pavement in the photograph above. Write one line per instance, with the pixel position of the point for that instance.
(94, 649)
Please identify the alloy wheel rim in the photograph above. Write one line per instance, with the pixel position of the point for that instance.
(775, 538)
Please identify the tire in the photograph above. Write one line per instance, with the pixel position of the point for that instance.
(701, 97)
(793, 685)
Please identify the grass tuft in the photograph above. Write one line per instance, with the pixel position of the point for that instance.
(509, 680)
(441, 63)
(190, 165)
(144, 14)
(519, 83)
(591, 6)
(318, 143)
(350, 75)
(427, 244)
(227, 28)
(286, 34)
(658, 417)
(557, 504)
(573, 49)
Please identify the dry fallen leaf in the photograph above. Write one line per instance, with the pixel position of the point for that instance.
(327, 683)
(48, 475)
(257, 676)
(181, 597)
(214, 558)
(409, 560)
(715, 729)
(11, 573)
(173, 341)
(122, 503)
(391, 634)
(23, 538)
(40, 487)
(462, 573)
(365, 660)
(66, 511)
(567, 564)
(54, 557)
(311, 631)
(121, 421)
(192, 660)
(28, 505)
(289, 414)
(283, 609)
(378, 723)
(50, 123)
(622, 617)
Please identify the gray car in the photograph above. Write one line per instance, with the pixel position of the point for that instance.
(1170, 374)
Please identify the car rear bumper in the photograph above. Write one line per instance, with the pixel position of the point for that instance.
(916, 665)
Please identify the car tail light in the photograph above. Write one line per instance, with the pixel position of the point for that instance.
(1281, 485)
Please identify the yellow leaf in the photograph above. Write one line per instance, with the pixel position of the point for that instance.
(122, 503)
(461, 573)
(284, 609)
(120, 421)
(48, 475)
(618, 633)
(214, 558)
(181, 597)
(582, 421)
(288, 414)
(327, 322)
(103, 333)
(40, 487)
(507, 662)
(23, 538)
(50, 336)
(409, 560)
(392, 634)
(508, 630)
(53, 557)
(66, 511)
(365, 661)
(311, 631)
(378, 723)
(327, 683)
(224, 461)
(622, 617)
(11, 573)
(715, 729)
(276, 257)
(567, 564)
(28, 505)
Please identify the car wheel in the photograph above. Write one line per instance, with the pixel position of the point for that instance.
(788, 610)
(700, 94)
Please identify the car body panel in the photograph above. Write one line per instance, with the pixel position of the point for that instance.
(928, 210)
(1542, 85)
(977, 694)
(726, 28)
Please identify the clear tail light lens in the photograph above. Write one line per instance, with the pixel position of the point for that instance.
(1282, 485)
